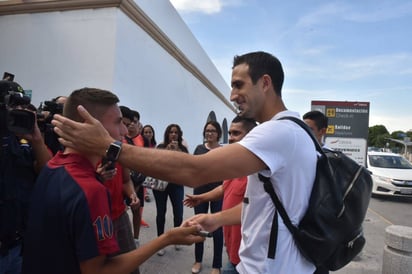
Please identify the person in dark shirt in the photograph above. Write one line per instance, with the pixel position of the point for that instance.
(21, 158)
(70, 229)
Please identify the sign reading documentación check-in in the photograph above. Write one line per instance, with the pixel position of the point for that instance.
(348, 124)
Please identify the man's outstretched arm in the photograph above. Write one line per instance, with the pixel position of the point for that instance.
(92, 138)
(127, 262)
(210, 222)
(196, 199)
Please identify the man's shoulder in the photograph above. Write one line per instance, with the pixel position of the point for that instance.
(286, 113)
(72, 168)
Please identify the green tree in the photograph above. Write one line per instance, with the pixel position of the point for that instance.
(399, 134)
(377, 135)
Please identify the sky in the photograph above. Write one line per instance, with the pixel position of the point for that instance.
(330, 50)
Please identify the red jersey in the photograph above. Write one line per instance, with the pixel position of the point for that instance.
(115, 187)
(69, 217)
(234, 191)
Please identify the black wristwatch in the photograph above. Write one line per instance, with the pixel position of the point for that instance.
(113, 152)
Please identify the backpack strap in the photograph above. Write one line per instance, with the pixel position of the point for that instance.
(267, 185)
(303, 125)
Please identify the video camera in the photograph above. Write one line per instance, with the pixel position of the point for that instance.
(45, 114)
(52, 107)
(13, 118)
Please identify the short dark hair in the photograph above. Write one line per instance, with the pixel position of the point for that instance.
(247, 123)
(96, 101)
(136, 114)
(321, 121)
(261, 63)
(126, 112)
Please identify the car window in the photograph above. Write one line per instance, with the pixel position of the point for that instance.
(388, 161)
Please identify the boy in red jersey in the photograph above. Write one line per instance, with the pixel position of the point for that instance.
(70, 217)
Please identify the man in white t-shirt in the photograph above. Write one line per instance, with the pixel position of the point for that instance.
(277, 148)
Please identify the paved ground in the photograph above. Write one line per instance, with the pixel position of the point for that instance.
(177, 262)
(173, 262)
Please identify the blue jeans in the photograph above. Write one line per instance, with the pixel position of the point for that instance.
(229, 269)
(176, 194)
(12, 261)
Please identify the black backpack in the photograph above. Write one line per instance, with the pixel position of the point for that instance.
(330, 233)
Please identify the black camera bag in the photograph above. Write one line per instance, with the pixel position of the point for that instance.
(330, 234)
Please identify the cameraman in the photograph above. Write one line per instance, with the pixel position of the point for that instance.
(22, 155)
(47, 110)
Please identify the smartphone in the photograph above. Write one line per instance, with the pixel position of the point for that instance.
(111, 166)
(8, 76)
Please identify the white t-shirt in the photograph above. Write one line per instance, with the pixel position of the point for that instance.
(290, 156)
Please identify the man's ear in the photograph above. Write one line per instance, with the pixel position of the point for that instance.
(266, 80)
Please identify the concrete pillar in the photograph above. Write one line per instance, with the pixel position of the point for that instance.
(397, 254)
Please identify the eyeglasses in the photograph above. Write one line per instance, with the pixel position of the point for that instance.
(210, 131)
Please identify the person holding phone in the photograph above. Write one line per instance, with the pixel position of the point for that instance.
(172, 141)
(277, 148)
(70, 209)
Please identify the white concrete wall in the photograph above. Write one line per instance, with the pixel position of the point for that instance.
(161, 12)
(56, 52)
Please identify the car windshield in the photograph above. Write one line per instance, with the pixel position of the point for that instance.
(389, 161)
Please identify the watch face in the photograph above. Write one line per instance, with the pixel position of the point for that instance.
(113, 152)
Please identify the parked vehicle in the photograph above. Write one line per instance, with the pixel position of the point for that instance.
(391, 174)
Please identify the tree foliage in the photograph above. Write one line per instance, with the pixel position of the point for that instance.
(379, 137)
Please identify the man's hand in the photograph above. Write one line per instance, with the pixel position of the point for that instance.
(88, 137)
(184, 235)
(134, 201)
(173, 145)
(192, 200)
(104, 173)
(206, 222)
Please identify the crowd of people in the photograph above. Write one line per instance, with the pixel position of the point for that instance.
(72, 200)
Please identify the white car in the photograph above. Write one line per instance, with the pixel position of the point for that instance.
(391, 174)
